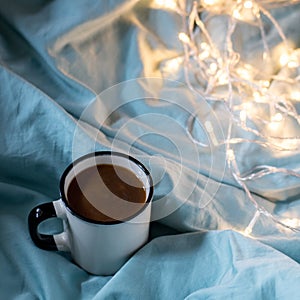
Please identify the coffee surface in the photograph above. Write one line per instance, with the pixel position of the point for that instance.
(106, 193)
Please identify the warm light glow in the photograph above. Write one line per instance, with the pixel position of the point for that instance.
(205, 53)
(264, 83)
(259, 98)
(245, 72)
(222, 78)
(204, 46)
(247, 12)
(293, 64)
(183, 37)
(213, 67)
(247, 106)
(236, 14)
(295, 95)
(274, 126)
(247, 110)
(292, 222)
(277, 117)
(243, 115)
(167, 4)
(284, 59)
(260, 94)
(172, 65)
(209, 2)
(248, 4)
(291, 144)
(256, 96)
(293, 61)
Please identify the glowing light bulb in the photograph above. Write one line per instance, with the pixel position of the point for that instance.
(259, 98)
(209, 2)
(293, 64)
(284, 59)
(243, 116)
(248, 11)
(295, 95)
(172, 65)
(222, 78)
(247, 106)
(275, 124)
(183, 37)
(204, 46)
(213, 67)
(245, 72)
(290, 144)
(293, 222)
(247, 110)
(264, 83)
(265, 55)
(277, 117)
(205, 53)
(256, 96)
(168, 4)
(293, 61)
(248, 4)
(236, 14)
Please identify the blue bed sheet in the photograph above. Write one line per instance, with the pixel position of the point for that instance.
(55, 58)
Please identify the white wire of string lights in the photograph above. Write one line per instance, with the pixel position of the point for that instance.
(268, 93)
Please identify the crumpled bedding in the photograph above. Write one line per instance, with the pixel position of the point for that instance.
(84, 76)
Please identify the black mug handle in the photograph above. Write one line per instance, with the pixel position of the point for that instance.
(41, 213)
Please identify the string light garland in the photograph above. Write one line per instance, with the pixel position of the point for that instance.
(268, 95)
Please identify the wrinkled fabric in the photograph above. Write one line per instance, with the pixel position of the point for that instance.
(84, 76)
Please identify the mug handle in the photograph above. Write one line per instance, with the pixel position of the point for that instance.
(42, 212)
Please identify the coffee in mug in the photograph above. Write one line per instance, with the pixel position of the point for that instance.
(99, 188)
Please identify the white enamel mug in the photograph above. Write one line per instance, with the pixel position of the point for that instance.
(100, 248)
